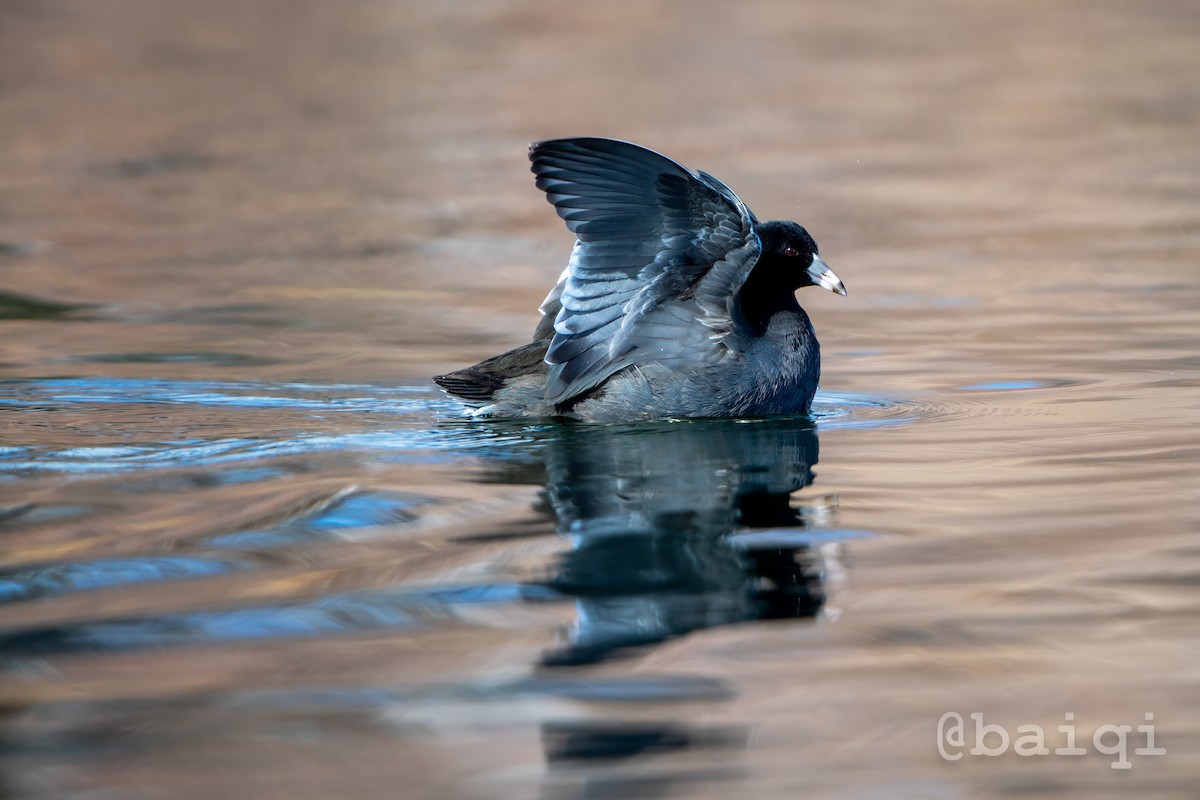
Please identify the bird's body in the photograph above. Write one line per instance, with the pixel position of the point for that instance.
(676, 302)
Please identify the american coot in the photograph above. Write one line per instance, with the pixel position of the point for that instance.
(676, 302)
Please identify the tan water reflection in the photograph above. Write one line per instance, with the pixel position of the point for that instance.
(322, 202)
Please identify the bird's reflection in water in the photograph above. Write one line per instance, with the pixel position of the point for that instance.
(674, 527)
(657, 517)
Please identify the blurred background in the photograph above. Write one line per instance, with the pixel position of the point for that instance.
(236, 238)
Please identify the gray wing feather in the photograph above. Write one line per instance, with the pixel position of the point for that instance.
(659, 256)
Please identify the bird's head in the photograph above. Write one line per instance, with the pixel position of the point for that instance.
(792, 252)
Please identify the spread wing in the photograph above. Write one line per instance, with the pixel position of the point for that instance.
(660, 254)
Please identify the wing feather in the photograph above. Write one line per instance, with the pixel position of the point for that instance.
(660, 254)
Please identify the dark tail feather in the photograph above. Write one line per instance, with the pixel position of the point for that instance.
(470, 384)
(477, 384)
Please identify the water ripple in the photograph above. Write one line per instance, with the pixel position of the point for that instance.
(428, 428)
(329, 614)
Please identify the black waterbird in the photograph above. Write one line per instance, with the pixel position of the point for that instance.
(676, 301)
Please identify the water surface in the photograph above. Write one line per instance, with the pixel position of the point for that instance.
(247, 550)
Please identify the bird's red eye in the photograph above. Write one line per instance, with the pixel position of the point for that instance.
(791, 252)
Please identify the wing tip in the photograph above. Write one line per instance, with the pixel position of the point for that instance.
(592, 144)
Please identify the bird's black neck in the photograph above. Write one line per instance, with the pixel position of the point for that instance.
(764, 294)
